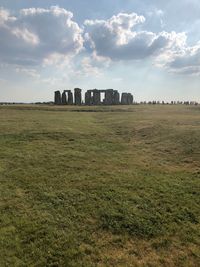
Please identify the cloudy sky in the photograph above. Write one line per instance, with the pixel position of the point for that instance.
(148, 48)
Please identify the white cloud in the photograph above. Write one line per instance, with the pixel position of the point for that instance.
(117, 38)
(89, 68)
(156, 12)
(26, 36)
(186, 63)
(35, 34)
(50, 37)
(28, 71)
(5, 16)
(159, 12)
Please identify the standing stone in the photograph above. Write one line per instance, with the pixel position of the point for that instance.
(129, 99)
(77, 96)
(57, 98)
(88, 98)
(109, 97)
(64, 98)
(70, 98)
(116, 97)
(96, 97)
(124, 99)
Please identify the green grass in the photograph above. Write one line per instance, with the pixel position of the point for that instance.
(100, 186)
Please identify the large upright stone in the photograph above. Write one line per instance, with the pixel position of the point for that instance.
(124, 99)
(129, 99)
(88, 98)
(64, 98)
(57, 98)
(96, 97)
(108, 97)
(116, 97)
(70, 98)
(77, 96)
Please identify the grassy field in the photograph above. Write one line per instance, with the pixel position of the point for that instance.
(100, 186)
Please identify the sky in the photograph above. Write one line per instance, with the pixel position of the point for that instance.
(148, 48)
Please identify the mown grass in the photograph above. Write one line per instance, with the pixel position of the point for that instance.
(110, 186)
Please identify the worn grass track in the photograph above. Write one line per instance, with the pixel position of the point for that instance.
(119, 186)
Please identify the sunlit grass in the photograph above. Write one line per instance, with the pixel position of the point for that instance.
(110, 186)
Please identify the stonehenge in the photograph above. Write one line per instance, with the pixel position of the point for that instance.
(93, 97)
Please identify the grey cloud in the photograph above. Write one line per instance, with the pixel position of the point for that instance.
(35, 34)
(190, 59)
(38, 36)
(117, 38)
(188, 63)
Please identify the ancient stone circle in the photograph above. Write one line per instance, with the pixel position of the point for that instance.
(93, 97)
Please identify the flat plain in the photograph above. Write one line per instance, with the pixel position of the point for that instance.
(100, 186)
